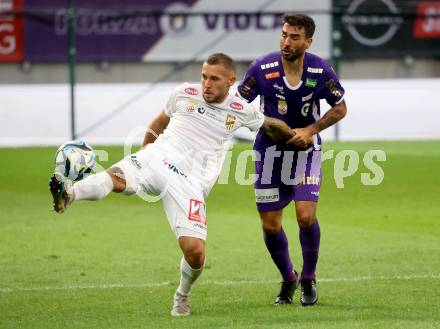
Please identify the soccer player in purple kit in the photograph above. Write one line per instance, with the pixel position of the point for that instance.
(290, 84)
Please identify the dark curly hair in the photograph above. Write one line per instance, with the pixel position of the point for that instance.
(300, 20)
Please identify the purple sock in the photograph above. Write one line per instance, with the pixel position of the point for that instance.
(278, 248)
(310, 238)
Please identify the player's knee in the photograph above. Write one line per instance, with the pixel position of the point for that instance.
(305, 217)
(193, 250)
(118, 179)
(271, 222)
(305, 213)
(195, 257)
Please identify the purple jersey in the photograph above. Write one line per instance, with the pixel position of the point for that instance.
(297, 105)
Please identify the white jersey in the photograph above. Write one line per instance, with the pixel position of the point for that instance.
(197, 136)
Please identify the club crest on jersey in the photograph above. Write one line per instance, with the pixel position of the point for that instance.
(282, 107)
(272, 75)
(230, 122)
(197, 211)
(191, 91)
(236, 106)
(191, 107)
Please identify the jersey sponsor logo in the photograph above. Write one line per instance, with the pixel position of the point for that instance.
(269, 65)
(306, 98)
(213, 116)
(236, 106)
(135, 162)
(173, 168)
(272, 75)
(282, 107)
(230, 122)
(311, 83)
(305, 109)
(308, 180)
(279, 88)
(191, 91)
(330, 84)
(197, 211)
(315, 70)
(267, 195)
(200, 226)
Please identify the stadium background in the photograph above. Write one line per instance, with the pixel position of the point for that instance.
(114, 265)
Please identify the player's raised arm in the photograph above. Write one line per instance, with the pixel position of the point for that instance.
(156, 127)
(277, 130)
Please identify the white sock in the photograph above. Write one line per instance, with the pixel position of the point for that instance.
(188, 276)
(94, 187)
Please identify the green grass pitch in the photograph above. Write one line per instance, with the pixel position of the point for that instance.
(114, 263)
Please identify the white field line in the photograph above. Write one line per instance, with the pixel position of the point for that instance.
(216, 283)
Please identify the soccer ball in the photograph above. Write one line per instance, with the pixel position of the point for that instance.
(75, 160)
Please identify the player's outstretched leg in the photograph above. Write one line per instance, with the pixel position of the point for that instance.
(94, 187)
(310, 240)
(191, 266)
(62, 193)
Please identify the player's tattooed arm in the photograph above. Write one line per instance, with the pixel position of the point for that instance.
(157, 126)
(276, 129)
(332, 116)
(304, 136)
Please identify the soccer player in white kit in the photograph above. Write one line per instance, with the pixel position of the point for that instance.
(181, 158)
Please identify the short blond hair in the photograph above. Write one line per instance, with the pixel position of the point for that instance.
(221, 59)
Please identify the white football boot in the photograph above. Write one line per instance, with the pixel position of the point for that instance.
(180, 305)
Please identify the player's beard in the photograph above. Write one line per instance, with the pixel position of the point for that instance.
(214, 99)
(293, 56)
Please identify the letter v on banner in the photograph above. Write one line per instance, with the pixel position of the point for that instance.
(197, 211)
(11, 31)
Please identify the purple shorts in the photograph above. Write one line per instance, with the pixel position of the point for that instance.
(284, 176)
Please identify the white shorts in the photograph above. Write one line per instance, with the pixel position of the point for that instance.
(153, 177)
